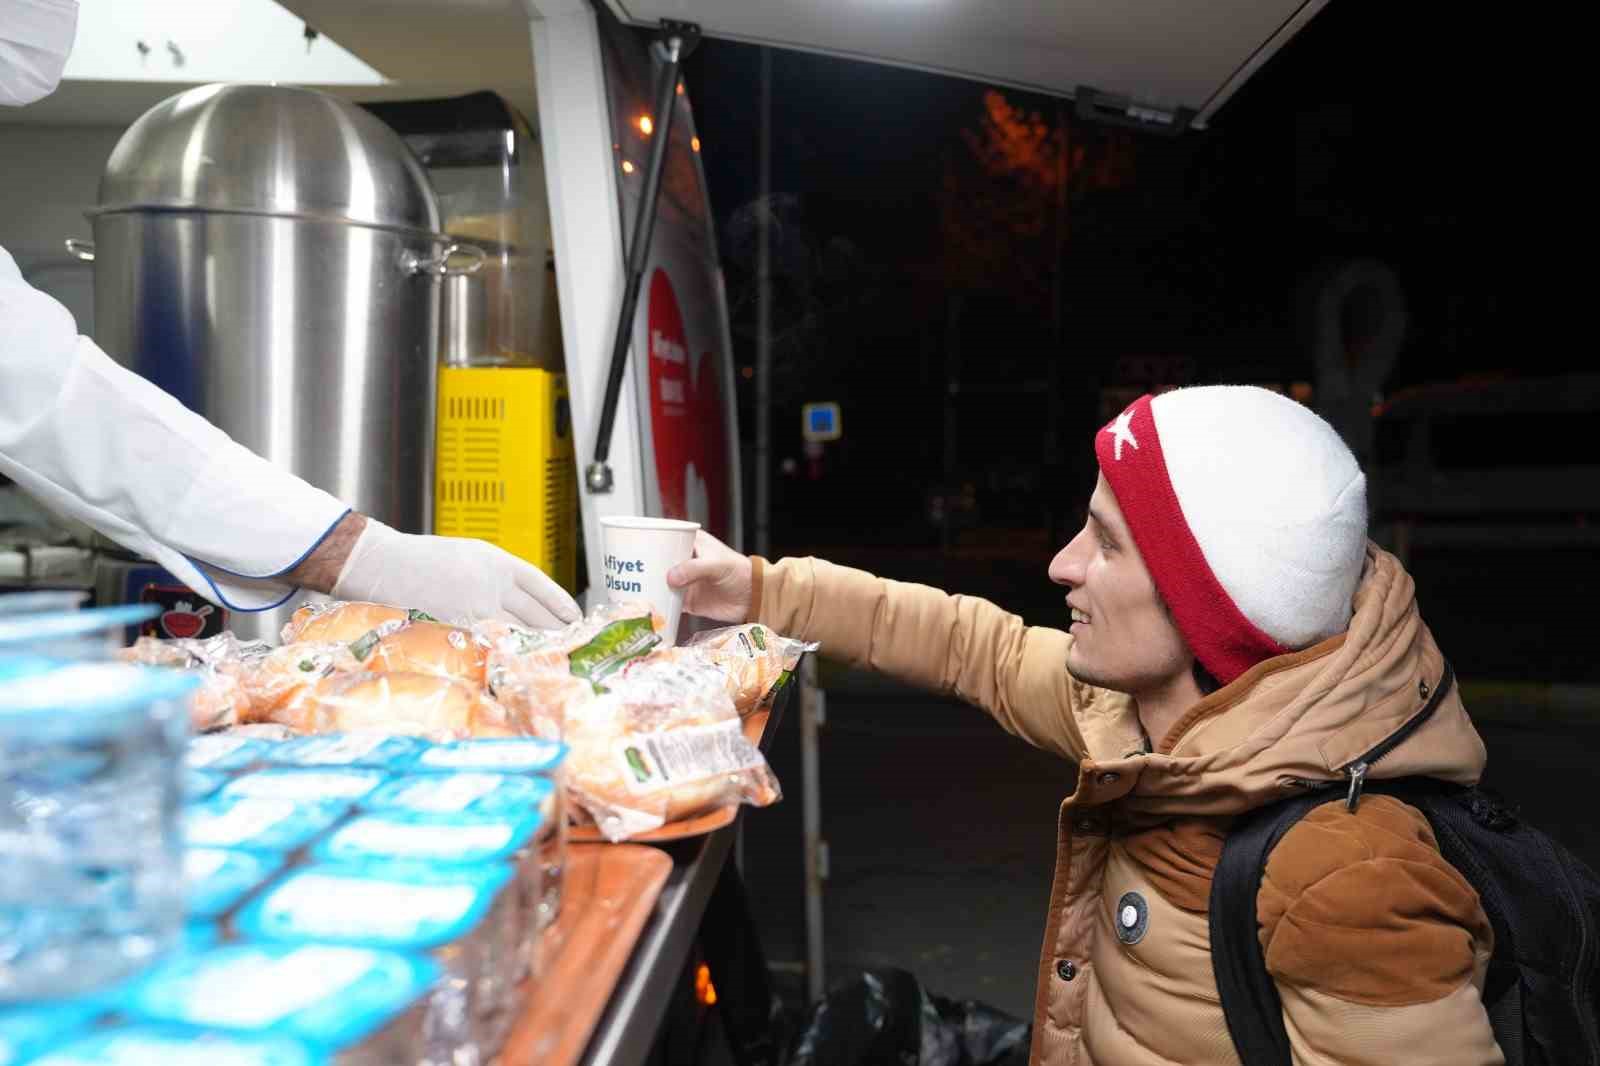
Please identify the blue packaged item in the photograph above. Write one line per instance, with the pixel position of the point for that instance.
(257, 823)
(79, 636)
(465, 916)
(381, 904)
(347, 784)
(169, 1045)
(464, 793)
(199, 934)
(380, 836)
(200, 784)
(470, 792)
(218, 878)
(505, 755)
(334, 996)
(29, 1029)
(224, 751)
(39, 601)
(89, 863)
(376, 750)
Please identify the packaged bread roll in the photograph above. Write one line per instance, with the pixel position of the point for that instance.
(344, 622)
(755, 660)
(286, 673)
(221, 700)
(659, 743)
(538, 673)
(423, 648)
(400, 703)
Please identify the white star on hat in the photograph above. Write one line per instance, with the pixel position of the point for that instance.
(1122, 430)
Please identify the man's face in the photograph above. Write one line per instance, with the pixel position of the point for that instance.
(1123, 637)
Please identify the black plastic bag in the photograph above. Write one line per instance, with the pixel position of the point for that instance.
(886, 1018)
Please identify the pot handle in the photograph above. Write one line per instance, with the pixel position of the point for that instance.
(413, 263)
(80, 249)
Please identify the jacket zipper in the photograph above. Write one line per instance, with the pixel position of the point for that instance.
(1356, 770)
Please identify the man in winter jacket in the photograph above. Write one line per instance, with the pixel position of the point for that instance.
(1234, 638)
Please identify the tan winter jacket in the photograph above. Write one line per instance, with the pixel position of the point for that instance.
(1378, 946)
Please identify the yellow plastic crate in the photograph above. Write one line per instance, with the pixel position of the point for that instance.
(505, 470)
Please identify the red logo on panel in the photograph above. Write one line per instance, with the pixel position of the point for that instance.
(686, 418)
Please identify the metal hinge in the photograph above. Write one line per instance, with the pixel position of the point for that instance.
(1120, 110)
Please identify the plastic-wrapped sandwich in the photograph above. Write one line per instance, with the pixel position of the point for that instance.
(411, 704)
(220, 661)
(662, 741)
(755, 661)
(357, 1006)
(284, 676)
(654, 734)
(392, 639)
(538, 674)
(464, 917)
(424, 648)
(342, 622)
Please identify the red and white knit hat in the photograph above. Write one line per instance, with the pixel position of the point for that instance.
(1250, 513)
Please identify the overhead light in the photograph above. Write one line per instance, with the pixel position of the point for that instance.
(627, 167)
(694, 142)
(646, 127)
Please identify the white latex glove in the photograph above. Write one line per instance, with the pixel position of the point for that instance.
(451, 578)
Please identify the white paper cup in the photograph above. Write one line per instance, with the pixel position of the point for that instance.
(637, 553)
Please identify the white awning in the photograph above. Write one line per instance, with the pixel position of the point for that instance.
(1156, 55)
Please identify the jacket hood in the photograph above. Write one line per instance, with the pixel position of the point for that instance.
(1299, 719)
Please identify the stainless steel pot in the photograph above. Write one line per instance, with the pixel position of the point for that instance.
(272, 257)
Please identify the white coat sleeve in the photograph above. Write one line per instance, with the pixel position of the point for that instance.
(94, 441)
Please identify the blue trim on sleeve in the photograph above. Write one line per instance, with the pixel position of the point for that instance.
(235, 607)
(202, 567)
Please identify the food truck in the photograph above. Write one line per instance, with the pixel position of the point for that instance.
(455, 262)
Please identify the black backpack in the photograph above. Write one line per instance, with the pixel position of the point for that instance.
(1543, 902)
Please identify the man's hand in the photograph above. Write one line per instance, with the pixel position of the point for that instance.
(716, 583)
(451, 578)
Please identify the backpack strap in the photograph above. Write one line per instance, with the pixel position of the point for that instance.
(1250, 1000)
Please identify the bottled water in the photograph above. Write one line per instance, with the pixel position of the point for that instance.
(91, 882)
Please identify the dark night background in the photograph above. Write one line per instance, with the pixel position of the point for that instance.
(903, 272)
(1374, 133)
(1429, 140)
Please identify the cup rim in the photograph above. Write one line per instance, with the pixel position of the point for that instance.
(645, 522)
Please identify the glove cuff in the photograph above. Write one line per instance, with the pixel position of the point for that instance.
(362, 572)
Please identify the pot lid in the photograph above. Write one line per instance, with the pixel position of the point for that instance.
(268, 149)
